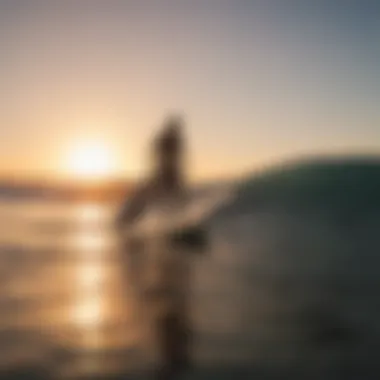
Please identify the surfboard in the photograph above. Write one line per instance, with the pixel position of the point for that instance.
(164, 218)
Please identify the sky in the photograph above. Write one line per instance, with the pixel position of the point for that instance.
(257, 81)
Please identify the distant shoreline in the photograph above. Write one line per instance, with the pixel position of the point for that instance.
(28, 190)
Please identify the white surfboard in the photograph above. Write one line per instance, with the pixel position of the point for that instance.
(169, 216)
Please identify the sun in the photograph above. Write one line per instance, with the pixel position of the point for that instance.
(90, 159)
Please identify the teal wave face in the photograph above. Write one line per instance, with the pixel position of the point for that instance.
(346, 188)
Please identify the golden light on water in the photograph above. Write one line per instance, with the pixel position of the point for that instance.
(90, 276)
(89, 309)
(91, 245)
(89, 213)
(88, 313)
(92, 239)
(97, 301)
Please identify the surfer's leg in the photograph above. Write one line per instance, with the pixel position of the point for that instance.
(174, 342)
(184, 342)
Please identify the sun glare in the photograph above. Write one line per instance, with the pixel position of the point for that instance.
(90, 160)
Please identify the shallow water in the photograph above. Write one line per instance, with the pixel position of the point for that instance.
(277, 296)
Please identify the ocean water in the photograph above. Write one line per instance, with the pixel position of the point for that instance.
(277, 296)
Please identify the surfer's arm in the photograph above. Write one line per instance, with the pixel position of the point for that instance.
(132, 208)
(129, 212)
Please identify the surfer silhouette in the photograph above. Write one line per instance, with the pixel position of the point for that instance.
(167, 177)
(166, 280)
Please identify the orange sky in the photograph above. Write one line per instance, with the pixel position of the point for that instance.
(258, 83)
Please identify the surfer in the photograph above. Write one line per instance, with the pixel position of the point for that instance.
(165, 299)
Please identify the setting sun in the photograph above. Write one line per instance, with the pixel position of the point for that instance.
(90, 160)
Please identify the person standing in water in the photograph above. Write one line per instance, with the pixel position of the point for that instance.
(165, 298)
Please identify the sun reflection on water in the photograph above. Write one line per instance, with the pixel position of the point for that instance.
(88, 311)
(90, 213)
(87, 315)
